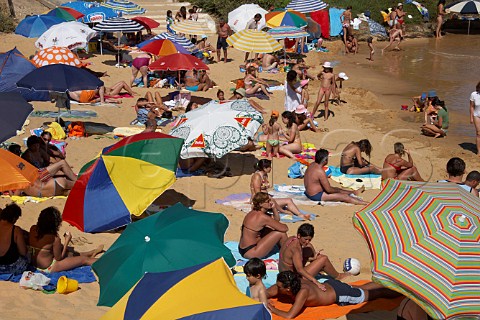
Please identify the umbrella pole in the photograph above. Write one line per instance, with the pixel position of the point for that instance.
(118, 53)
(468, 32)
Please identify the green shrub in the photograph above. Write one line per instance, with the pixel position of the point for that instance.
(7, 23)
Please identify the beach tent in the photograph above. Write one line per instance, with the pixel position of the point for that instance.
(13, 67)
(322, 17)
(335, 24)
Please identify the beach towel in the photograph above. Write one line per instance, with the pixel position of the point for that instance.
(119, 96)
(25, 199)
(376, 28)
(307, 153)
(76, 114)
(240, 201)
(81, 274)
(356, 181)
(280, 87)
(335, 311)
(296, 193)
(335, 24)
(184, 173)
(259, 95)
(322, 17)
(270, 82)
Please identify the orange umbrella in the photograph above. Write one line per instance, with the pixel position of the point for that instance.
(56, 55)
(16, 172)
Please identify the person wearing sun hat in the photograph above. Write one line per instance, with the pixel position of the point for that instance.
(337, 88)
(327, 81)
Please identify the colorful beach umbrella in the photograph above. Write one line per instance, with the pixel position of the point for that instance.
(163, 47)
(254, 41)
(239, 18)
(173, 239)
(191, 27)
(175, 295)
(181, 40)
(93, 11)
(124, 180)
(56, 55)
(14, 110)
(65, 13)
(16, 172)
(146, 22)
(125, 7)
(71, 35)
(118, 24)
(214, 129)
(306, 6)
(283, 32)
(464, 7)
(67, 78)
(34, 26)
(177, 62)
(282, 17)
(424, 242)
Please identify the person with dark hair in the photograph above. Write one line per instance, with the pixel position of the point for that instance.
(475, 114)
(440, 13)
(307, 294)
(253, 25)
(260, 232)
(293, 95)
(318, 188)
(13, 249)
(260, 183)
(439, 126)
(223, 32)
(15, 149)
(456, 169)
(346, 21)
(473, 180)
(220, 95)
(55, 154)
(352, 162)
(255, 270)
(292, 135)
(254, 84)
(181, 14)
(169, 19)
(299, 255)
(395, 167)
(49, 255)
(150, 126)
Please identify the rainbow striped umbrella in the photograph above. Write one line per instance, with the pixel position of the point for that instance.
(125, 7)
(424, 241)
(306, 6)
(287, 32)
(249, 40)
(191, 27)
(283, 17)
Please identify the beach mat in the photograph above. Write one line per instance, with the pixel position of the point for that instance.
(75, 114)
(81, 274)
(335, 311)
(356, 181)
(95, 128)
(25, 199)
(270, 82)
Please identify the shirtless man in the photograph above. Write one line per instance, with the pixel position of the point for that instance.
(327, 78)
(298, 250)
(400, 18)
(317, 187)
(301, 69)
(269, 61)
(307, 294)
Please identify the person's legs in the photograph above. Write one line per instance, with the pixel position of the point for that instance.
(438, 33)
(144, 72)
(290, 207)
(64, 167)
(321, 94)
(266, 244)
(117, 88)
(327, 98)
(246, 56)
(225, 54)
(343, 198)
(290, 150)
(365, 170)
(269, 148)
(134, 74)
(158, 98)
(410, 174)
(374, 291)
(71, 263)
(149, 96)
(323, 264)
(62, 186)
(476, 122)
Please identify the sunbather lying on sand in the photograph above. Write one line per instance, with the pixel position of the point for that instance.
(90, 96)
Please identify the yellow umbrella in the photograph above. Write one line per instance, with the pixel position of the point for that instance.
(250, 40)
(191, 27)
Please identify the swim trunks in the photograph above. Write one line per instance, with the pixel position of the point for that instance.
(86, 96)
(316, 197)
(192, 88)
(222, 43)
(273, 142)
(345, 293)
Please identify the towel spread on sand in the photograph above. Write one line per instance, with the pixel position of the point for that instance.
(81, 274)
(296, 193)
(77, 114)
(354, 181)
(184, 173)
(270, 82)
(259, 95)
(25, 199)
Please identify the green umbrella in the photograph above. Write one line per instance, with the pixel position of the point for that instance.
(173, 239)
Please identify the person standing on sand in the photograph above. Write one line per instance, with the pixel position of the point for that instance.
(223, 32)
(292, 94)
(395, 35)
(440, 13)
(345, 20)
(317, 187)
(475, 114)
(327, 78)
(253, 25)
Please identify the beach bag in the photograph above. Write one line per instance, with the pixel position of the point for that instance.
(76, 129)
(35, 281)
(297, 170)
(56, 131)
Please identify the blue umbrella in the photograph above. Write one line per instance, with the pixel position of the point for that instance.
(13, 112)
(60, 78)
(35, 26)
(93, 11)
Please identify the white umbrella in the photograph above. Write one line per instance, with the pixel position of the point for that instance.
(71, 35)
(214, 129)
(464, 7)
(238, 18)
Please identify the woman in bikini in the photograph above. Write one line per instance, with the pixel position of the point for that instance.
(254, 84)
(48, 253)
(327, 78)
(13, 249)
(260, 183)
(292, 135)
(395, 167)
(345, 20)
(352, 162)
(440, 13)
(140, 64)
(192, 82)
(260, 232)
(298, 251)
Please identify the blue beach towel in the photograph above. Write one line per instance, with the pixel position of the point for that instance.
(335, 25)
(337, 173)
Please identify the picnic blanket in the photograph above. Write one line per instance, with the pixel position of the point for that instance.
(356, 181)
(76, 114)
(81, 274)
(25, 199)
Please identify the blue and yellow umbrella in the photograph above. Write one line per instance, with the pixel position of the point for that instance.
(203, 292)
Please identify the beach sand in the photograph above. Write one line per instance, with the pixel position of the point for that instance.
(372, 111)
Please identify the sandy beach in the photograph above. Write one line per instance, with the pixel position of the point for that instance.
(372, 111)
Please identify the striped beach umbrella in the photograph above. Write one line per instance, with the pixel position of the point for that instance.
(125, 7)
(283, 17)
(249, 40)
(163, 47)
(424, 241)
(306, 6)
(181, 40)
(191, 27)
(287, 32)
(464, 7)
(124, 180)
(118, 25)
(56, 55)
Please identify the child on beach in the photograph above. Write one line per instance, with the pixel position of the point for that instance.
(255, 270)
(473, 180)
(220, 95)
(327, 78)
(305, 97)
(170, 21)
(371, 47)
(272, 130)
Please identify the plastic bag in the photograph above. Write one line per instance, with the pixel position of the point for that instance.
(35, 281)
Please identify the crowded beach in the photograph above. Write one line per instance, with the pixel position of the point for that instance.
(246, 166)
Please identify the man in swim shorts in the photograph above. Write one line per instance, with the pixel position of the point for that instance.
(307, 294)
(318, 188)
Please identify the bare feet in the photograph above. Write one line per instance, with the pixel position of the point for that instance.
(359, 191)
(305, 216)
(96, 251)
(343, 275)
